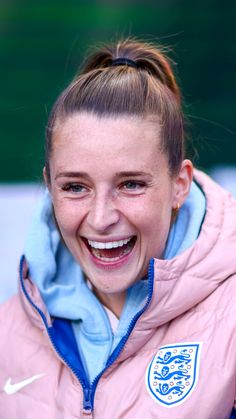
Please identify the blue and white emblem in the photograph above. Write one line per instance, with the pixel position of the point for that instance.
(173, 373)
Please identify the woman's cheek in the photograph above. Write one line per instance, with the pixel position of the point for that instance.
(63, 218)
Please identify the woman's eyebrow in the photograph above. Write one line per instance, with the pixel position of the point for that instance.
(132, 174)
(72, 175)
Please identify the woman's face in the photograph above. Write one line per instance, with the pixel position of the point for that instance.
(113, 196)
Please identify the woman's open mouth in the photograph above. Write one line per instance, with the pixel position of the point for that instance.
(112, 251)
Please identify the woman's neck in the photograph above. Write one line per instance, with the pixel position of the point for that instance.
(114, 302)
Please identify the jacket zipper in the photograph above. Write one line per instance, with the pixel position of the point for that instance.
(89, 391)
(87, 399)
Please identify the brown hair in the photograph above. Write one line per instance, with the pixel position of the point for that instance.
(104, 89)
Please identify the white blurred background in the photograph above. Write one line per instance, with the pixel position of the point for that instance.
(17, 203)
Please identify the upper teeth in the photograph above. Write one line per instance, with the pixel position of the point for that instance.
(108, 245)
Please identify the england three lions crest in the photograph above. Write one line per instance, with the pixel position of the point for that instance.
(173, 373)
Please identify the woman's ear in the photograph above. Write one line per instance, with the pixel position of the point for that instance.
(182, 183)
(46, 180)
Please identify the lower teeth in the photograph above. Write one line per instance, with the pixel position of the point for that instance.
(97, 253)
(106, 259)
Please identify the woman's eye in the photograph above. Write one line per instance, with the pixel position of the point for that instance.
(74, 187)
(133, 185)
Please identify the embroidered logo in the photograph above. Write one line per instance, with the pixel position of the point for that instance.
(173, 373)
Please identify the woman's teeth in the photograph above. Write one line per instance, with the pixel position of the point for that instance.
(108, 245)
(111, 251)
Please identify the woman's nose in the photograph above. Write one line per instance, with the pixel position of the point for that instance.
(102, 214)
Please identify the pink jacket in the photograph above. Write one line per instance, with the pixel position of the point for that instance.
(179, 360)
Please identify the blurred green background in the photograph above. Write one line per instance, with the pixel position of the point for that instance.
(43, 42)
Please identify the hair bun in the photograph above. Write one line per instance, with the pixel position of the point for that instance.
(142, 55)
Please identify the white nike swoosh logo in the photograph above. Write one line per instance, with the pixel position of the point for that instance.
(10, 388)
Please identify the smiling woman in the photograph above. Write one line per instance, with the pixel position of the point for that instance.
(101, 205)
(129, 268)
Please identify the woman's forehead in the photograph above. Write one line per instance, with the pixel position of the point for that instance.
(125, 129)
(122, 143)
